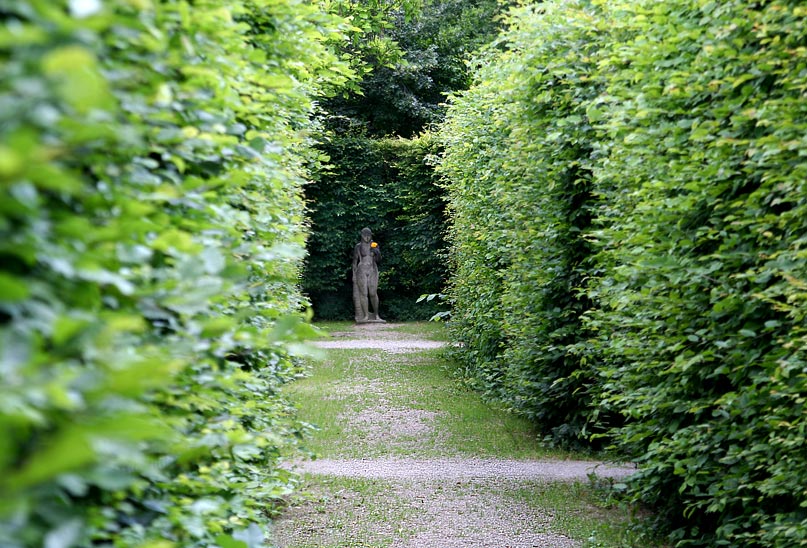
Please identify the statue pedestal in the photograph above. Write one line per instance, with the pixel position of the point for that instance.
(371, 320)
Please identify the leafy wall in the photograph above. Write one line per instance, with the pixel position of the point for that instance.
(519, 166)
(379, 171)
(390, 186)
(702, 304)
(628, 233)
(151, 164)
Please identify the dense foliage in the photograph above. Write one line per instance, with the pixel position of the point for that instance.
(379, 172)
(388, 185)
(631, 221)
(703, 236)
(150, 235)
(519, 161)
(424, 58)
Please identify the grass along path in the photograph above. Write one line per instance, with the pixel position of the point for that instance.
(408, 458)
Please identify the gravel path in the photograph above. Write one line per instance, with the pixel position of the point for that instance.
(457, 468)
(378, 336)
(388, 345)
(429, 503)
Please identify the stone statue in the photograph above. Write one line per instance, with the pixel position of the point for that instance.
(366, 256)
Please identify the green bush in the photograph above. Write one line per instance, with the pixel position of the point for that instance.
(518, 158)
(390, 186)
(151, 161)
(650, 270)
(702, 319)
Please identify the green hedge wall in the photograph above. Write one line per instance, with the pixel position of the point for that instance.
(519, 159)
(628, 209)
(390, 186)
(703, 311)
(150, 238)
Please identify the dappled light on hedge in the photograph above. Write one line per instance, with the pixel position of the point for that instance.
(628, 207)
(151, 162)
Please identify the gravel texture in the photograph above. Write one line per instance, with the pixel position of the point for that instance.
(436, 513)
(378, 424)
(378, 336)
(429, 503)
(459, 468)
(388, 345)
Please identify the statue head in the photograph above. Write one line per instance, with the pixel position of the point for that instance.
(366, 234)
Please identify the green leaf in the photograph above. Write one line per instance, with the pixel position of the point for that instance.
(80, 83)
(226, 541)
(12, 289)
(65, 535)
(252, 536)
(174, 241)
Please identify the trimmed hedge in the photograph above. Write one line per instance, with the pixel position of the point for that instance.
(519, 162)
(628, 206)
(390, 186)
(702, 316)
(151, 161)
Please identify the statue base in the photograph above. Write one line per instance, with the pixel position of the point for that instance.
(370, 320)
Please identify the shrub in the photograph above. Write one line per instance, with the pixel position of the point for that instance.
(681, 218)
(518, 158)
(150, 228)
(702, 238)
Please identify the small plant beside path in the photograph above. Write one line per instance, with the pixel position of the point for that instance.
(409, 458)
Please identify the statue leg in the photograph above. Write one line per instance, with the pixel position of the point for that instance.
(356, 301)
(361, 290)
(372, 288)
